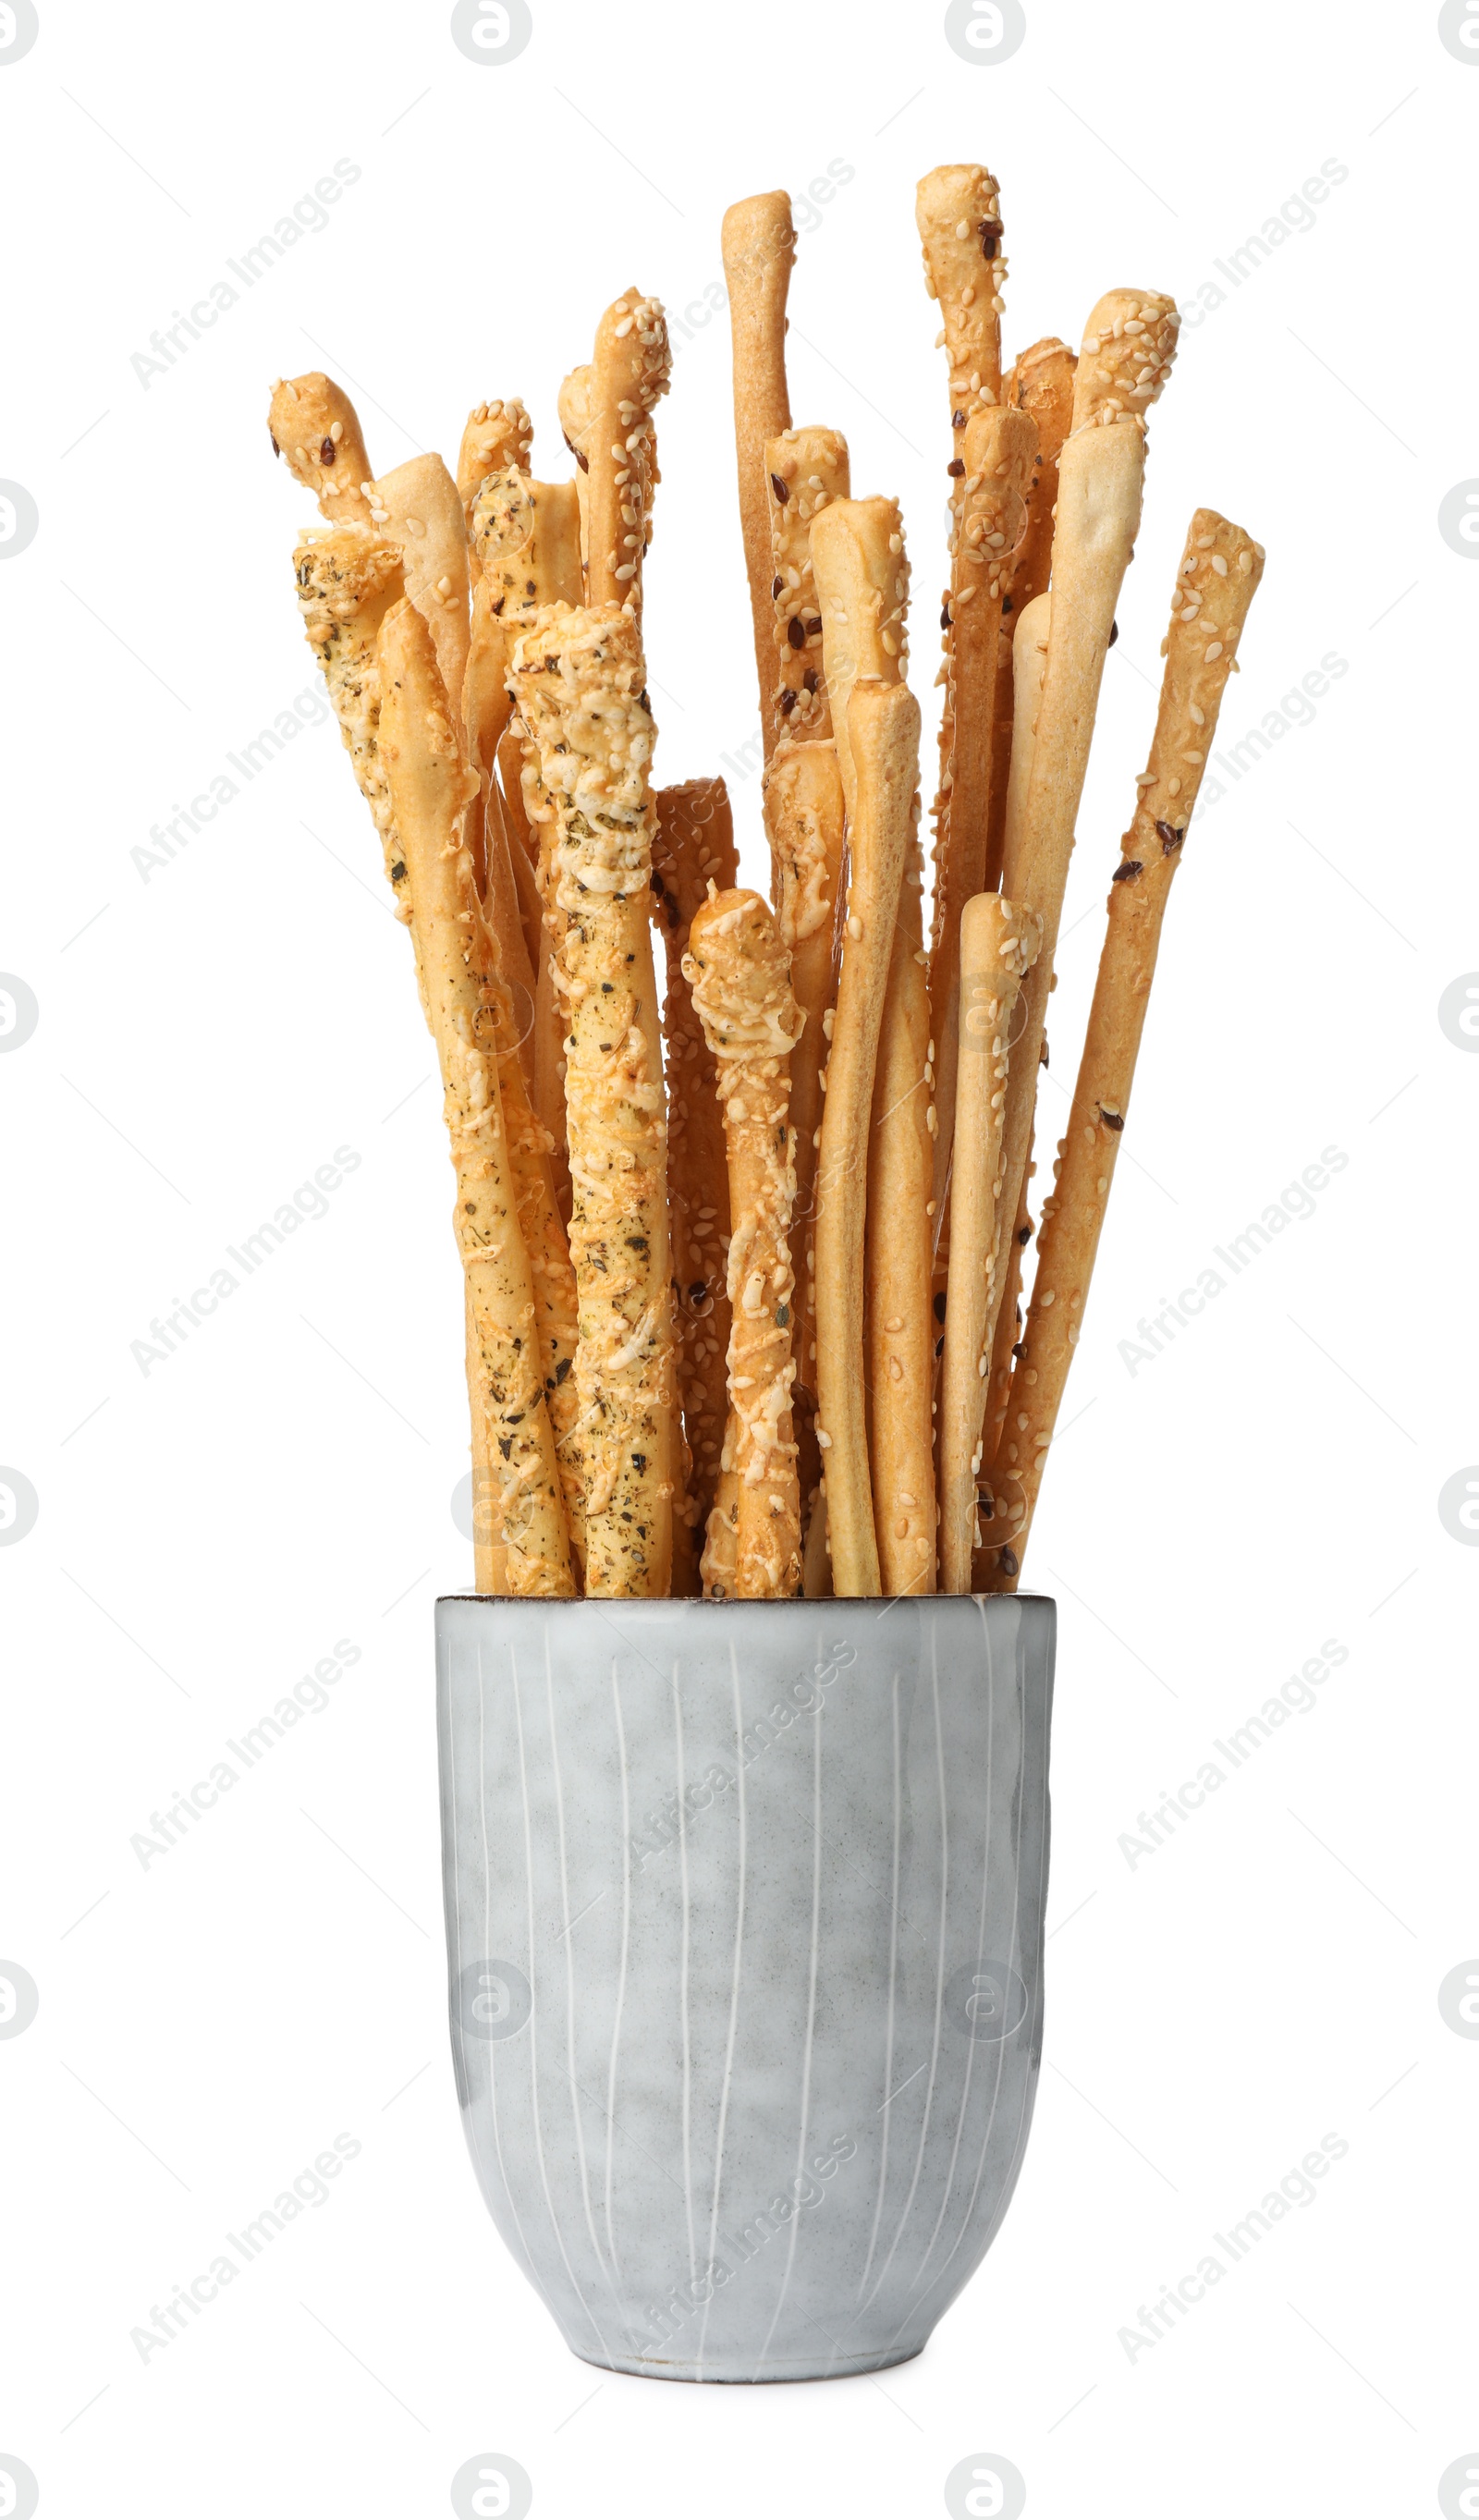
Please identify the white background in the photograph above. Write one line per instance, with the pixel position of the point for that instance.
(208, 1037)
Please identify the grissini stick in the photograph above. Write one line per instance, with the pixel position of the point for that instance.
(759, 246)
(432, 784)
(884, 751)
(347, 581)
(490, 1557)
(692, 850)
(628, 374)
(997, 942)
(1039, 381)
(588, 716)
(1029, 657)
(802, 796)
(805, 468)
(315, 428)
(862, 581)
(497, 439)
(735, 966)
(900, 1248)
(999, 446)
(1125, 361)
(957, 214)
(418, 505)
(574, 403)
(1216, 580)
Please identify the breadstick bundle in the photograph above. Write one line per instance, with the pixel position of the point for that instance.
(743, 1262)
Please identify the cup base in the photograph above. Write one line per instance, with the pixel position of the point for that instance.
(714, 2373)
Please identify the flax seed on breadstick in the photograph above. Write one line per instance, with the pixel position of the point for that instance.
(805, 468)
(628, 374)
(418, 505)
(736, 967)
(1216, 580)
(1125, 361)
(759, 246)
(497, 439)
(998, 943)
(314, 425)
(883, 754)
(431, 783)
(693, 848)
(1039, 381)
(999, 447)
(587, 714)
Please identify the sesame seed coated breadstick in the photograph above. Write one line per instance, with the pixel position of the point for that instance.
(759, 246)
(735, 966)
(431, 783)
(692, 850)
(497, 439)
(883, 753)
(958, 213)
(578, 679)
(315, 428)
(805, 468)
(1216, 582)
(997, 942)
(1039, 381)
(1126, 359)
(628, 374)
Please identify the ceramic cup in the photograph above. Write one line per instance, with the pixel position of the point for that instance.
(744, 1919)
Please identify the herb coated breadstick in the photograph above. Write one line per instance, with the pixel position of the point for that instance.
(998, 943)
(628, 374)
(347, 581)
(1039, 381)
(758, 243)
(1124, 364)
(418, 507)
(692, 849)
(315, 428)
(432, 784)
(999, 446)
(1216, 580)
(805, 468)
(883, 753)
(735, 966)
(586, 715)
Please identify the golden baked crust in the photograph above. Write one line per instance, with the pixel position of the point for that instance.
(315, 428)
(758, 243)
(805, 468)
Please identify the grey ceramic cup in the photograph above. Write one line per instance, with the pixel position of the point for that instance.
(744, 1919)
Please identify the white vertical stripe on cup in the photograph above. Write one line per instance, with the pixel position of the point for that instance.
(487, 1947)
(621, 1973)
(734, 2008)
(811, 2021)
(539, 2147)
(569, 1957)
(886, 2111)
(683, 1981)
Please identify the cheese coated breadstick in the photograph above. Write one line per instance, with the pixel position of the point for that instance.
(735, 966)
(692, 849)
(805, 468)
(1124, 364)
(628, 374)
(418, 507)
(759, 246)
(347, 581)
(586, 712)
(431, 783)
(883, 753)
(1216, 580)
(997, 942)
(1040, 382)
(315, 428)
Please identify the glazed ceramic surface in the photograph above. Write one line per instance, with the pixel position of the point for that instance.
(745, 1916)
